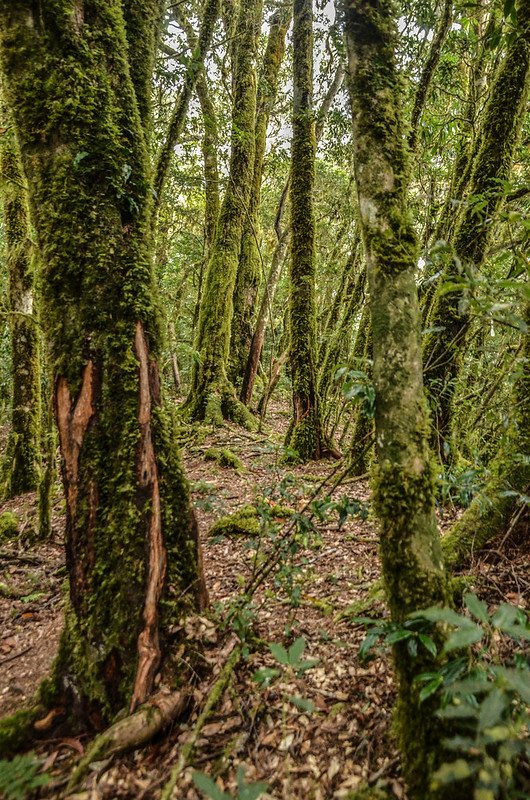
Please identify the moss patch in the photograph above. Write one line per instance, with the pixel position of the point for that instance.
(246, 521)
(225, 458)
(8, 526)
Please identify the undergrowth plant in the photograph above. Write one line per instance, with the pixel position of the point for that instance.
(483, 687)
(21, 776)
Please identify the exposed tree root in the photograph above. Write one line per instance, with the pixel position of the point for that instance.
(132, 731)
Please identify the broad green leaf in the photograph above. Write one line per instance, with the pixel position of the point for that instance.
(519, 681)
(208, 787)
(303, 666)
(450, 773)
(460, 711)
(265, 675)
(431, 687)
(296, 650)
(464, 637)
(303, 703)
(398, 636)
(442, 615)
(492, 709)
(279, 653)
(505, 615)
(428, 643)
(477, 607)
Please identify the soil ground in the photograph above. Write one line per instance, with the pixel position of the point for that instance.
(317, 735)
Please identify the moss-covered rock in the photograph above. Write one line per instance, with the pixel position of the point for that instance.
(246, 521)
(8, 526)
(224, 457)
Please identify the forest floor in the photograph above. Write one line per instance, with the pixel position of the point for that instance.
(314, 734)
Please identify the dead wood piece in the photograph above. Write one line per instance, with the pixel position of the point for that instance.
(132, 731)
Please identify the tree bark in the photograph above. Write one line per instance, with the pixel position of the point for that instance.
(404, 477)
(305, 435)
(500, 129)
(212, 396)
(131, 536)
(249, 269)
(21, 464)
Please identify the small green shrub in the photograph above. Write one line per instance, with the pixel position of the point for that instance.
(484, 699)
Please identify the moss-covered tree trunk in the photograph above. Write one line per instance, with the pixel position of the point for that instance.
(250, 268)
(278, 256)
(492, 165)
(305, 435)
(21, 464)
(212, 396)
(131, 538)
(333, 345)
(509, 483)
(404, 477)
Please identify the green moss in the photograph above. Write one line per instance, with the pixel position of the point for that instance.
(212, 396)
(21, 463)
(8, 526)
(490, 168)
(250, 269)
(16, 731)
(225, 458)
(85, 154)
(246, 521)
(305, 435)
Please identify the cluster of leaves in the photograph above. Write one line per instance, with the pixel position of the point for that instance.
(21, 776)
(459, 485)
(358, 387)
(245, 791)
(484, 702)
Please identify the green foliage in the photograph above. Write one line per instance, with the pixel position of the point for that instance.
(245, 791)
(483, 702)
(20, 777)
(244, 522)
(8, 526)
(357, 386)
(458, 485)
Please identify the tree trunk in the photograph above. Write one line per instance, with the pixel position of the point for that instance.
(212, 396)
(404, 476)
(490, 512)
(180, 110)
(305, 435)
(502, 121)
(278, 255)
(249, 269)
(131, 536)
(21, 464)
